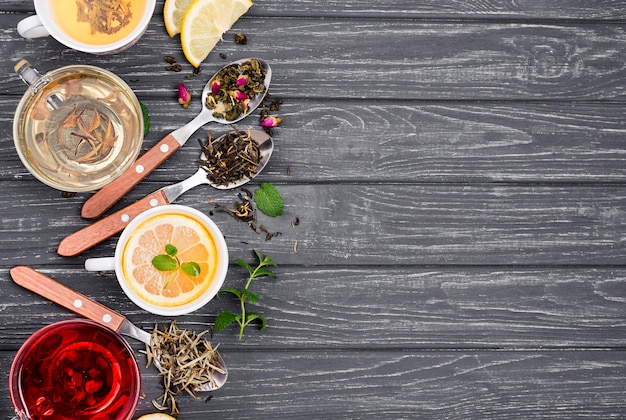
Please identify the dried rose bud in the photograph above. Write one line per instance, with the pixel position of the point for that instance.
(215, 87)
(184, 96)
(242, 80)
(240, 96)
(271, 121)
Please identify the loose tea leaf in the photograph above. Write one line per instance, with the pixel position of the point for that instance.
(87, 135)
(229, 98)
(106, 16)
(185, 360)
(268, 200)
(245, 211)
(241, 38)
(230, 158)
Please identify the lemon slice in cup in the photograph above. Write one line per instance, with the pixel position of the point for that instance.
(204, 23)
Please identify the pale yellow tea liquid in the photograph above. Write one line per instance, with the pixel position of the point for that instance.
(81, 131)
(97, 22)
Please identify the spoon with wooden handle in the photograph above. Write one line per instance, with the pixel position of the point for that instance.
(56, 292)
(110, 194)
(103, 229)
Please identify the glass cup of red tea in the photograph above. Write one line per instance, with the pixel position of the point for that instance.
(75, 369)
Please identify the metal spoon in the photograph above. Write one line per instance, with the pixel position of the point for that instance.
(97, 232)
(104, 199)
(82, 305)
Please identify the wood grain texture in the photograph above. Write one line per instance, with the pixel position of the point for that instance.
(417, 60)
(476, 384)
(426, 9)
(377, 308)
(364, 224)
(409, 141)
(458, 174)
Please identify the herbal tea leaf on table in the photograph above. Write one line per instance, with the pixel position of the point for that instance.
(226, 318)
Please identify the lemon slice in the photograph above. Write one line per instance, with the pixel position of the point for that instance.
(173, 13)
(193, 243)
(205, 22)
(156, 416)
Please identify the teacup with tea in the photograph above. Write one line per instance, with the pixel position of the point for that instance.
(75, 369)
(169, 260)
(92, 26)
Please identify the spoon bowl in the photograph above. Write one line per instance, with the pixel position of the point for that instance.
(252, 105)
(97, 232)
(266, 147)
(104, 199)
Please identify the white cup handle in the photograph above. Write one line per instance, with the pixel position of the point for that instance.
(32, 27)
(100, 264)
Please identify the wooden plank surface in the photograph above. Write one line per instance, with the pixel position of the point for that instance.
(457, 171)
(417, 60)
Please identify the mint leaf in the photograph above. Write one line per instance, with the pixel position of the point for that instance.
(191, 268)
(252, 297)
(255, 316)
(244, 264)
(224, 319)
(171, 250)
(264, 272)
(146, 118)
(268, 200)
(235, 292)
(164, 262)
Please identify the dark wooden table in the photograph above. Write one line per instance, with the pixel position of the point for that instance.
(458, 172)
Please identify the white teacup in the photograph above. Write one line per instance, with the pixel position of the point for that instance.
(141, 241)
(62, 20)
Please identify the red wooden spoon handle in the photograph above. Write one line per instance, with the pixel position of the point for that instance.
(110, 194)
(97, 232)
(56, 292)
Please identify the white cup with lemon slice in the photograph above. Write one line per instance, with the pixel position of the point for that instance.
(170, 260)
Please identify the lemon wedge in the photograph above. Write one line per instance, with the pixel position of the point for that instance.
(156, 416)
(204, 23)
(173, 12)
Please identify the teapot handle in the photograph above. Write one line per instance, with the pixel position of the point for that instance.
(32, 27)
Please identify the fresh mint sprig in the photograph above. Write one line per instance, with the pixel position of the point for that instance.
(225, 318)
(170, 262)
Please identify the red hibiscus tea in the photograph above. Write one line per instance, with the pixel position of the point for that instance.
(74, 370)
